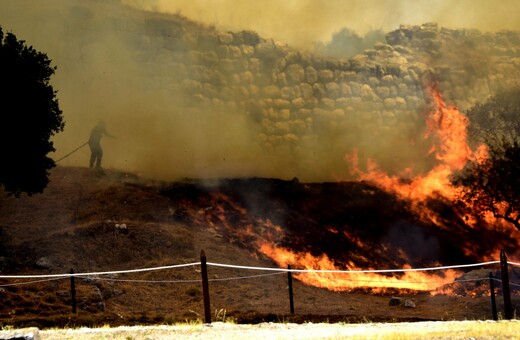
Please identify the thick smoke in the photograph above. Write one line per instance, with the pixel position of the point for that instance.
(304, 22)
(100, 50)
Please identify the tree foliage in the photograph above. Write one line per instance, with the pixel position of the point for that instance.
(493, 185)
(498, 119)
(29, 116)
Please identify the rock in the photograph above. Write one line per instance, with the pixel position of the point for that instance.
(225, 38)
(394, 301)
(31, 333)
(409, 303)
(325, 76)
(295, 73)
(311, 75)
(45, 262)
(333, 90)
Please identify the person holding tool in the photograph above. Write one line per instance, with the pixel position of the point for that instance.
(94, 142)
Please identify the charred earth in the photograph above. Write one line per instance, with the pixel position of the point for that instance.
(92, 221)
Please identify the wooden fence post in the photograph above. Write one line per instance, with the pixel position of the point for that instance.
(506, 291)
(289, 281)
(73, 291)
(493, 301)
(205, 287)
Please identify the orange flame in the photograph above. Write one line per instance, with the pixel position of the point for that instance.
(448, 127)
(340, 282)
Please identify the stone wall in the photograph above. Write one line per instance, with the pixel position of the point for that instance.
(297, 97)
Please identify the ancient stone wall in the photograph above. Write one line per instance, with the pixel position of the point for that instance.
(297, 97)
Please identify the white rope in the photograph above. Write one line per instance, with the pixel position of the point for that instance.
(29, 282)
(98, 273)
(514, 263)
(249, 268)
(151, 281)
(354, 271)
(191, 281)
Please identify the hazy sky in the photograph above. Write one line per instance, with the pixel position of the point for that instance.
(303, 22)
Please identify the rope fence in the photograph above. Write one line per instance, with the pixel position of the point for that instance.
(281, 270)
(100, 275)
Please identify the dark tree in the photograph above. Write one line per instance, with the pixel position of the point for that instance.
(29, 116)
(498, 119)
(493, 185)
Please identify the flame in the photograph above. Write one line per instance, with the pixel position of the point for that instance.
(340, 282)
(447, 126)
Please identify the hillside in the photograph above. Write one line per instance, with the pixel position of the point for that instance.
(261, 155)
(77, 223)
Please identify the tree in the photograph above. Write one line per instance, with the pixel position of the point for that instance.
(498, 119)
(492, 184)
(29, 116)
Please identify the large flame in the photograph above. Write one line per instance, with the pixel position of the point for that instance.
(378, 283)
(448, 128)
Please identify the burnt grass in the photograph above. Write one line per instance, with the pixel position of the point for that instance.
(73, 225)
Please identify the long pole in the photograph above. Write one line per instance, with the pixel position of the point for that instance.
(70, 153)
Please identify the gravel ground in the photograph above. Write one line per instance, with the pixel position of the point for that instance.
(416, 330)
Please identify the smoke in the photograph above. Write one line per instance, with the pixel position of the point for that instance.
(100, 51)
(302, 23)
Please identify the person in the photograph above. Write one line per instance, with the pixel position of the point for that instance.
(94, 142)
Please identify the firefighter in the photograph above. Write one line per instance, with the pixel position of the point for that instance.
(94, 142)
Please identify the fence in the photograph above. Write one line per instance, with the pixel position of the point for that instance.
(204, 281)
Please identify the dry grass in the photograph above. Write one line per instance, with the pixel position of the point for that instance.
(73, 223)
(404, 331)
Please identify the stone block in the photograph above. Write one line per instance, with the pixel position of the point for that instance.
(225, 38)
(311, 75)
(271, 91)
(328, 103)
(287, 92)
(295, 74)
(333, 90)
(306, 90)
(319, 90)
(325, 75)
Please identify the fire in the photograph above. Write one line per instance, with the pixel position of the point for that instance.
(340, 282)
(447, 126)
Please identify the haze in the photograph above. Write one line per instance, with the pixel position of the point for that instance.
(99, 75)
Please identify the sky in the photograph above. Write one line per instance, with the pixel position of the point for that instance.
(99, 79)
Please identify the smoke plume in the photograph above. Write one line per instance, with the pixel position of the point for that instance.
(99, 49)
